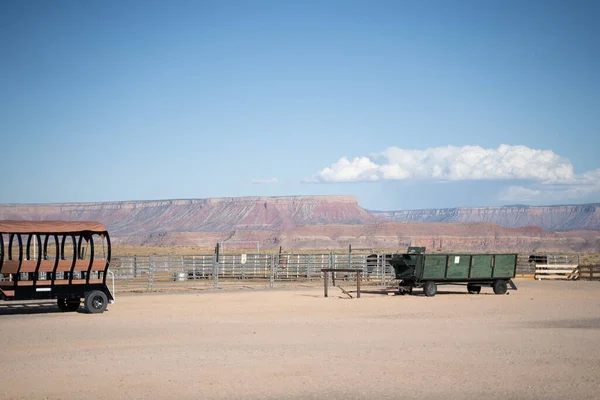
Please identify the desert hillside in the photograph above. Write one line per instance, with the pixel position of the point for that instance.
(321, 222)
(567, 217)
(127, 218)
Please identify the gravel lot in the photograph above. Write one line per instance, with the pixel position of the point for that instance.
(539, 342)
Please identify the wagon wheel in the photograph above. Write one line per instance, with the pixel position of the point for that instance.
(473, 289)
(500, 286)
(67, 305)
(95, 302)
(430, 288)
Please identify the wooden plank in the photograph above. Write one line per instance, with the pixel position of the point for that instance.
(28, 266)
(9, 267)
(524, 276)
(559, 277)
(556, 271)
(556, 266)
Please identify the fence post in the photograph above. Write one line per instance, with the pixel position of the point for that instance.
(216, 272)
(272, 277)
(151, 273)
(382, 269)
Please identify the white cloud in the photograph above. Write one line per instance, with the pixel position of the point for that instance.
(455, 164)
(265, 181)
(545, 175)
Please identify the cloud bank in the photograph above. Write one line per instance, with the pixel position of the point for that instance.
(547, 175)
(451, 163)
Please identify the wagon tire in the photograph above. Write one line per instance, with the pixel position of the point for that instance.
(68, 305)
(95, 302)
(474, 289)
(430, 288)
(500, 286)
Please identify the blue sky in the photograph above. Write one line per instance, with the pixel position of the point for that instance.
(404, 104)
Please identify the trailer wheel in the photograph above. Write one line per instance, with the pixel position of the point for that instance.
(500, 286)
(95, 302)
(474, 289)
(68, 305)
(430, 288)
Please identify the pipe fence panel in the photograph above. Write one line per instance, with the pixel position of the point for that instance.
(300, 266)
(132, 273)
(243, 269)
(159, 272)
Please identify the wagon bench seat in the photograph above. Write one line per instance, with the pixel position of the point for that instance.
(47, 282)
(11, 266)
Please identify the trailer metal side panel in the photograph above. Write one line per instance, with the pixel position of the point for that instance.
(504, 265)
(435, 266)
(481, 266)
(458, 266)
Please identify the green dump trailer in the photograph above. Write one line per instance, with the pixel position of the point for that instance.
(416, 269)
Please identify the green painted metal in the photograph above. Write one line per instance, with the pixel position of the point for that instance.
(504, 265)
(454, 267)
(434, 266)
(458, 266)
(481, 266)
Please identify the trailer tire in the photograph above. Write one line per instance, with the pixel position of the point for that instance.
(68, 305)
(95, 302)
(429, 288)
(474, 289)
(500, 286)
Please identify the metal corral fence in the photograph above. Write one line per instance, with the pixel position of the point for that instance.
(149, 273)
(204, 270)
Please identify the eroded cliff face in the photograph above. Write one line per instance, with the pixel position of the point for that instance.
(133, 218)
(585, 216)
(392, 236)
(326, 222)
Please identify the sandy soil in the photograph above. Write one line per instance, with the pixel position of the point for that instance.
(540, 342)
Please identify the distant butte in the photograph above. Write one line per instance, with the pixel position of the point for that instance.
(304, 222)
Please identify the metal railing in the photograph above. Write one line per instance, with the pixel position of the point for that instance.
(158, 272)
(204, 270)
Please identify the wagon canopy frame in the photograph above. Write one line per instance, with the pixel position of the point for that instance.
(36, 275)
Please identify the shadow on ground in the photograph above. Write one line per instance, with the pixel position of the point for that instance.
(33, 308)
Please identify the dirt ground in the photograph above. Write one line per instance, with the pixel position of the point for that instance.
(539, 342)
